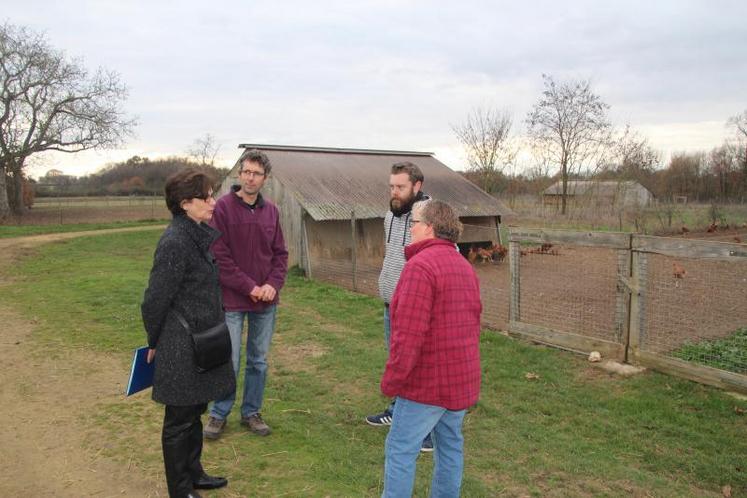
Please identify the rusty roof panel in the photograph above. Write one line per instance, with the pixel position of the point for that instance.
(330, 183)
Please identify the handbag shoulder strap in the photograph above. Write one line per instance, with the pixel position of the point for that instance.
(182, 320)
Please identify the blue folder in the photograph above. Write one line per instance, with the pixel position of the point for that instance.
(141, 374)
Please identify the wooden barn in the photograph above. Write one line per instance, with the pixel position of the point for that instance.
(333, 201)
(615, 194)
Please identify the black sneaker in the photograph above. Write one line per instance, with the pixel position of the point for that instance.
(380, 419)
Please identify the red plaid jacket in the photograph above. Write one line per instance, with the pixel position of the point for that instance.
(434, 355)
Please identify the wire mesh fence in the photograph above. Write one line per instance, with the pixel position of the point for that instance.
(695, 306)
(70, 210)
(673, 305)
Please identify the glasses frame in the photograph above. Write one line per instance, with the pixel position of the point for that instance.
(252, 174)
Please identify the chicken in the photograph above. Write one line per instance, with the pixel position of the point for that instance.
(679, 270)
(499, 252)
(484, 254)
(684, 230)
(712, 227)
(545, 247)
(737, 239)
(472, 255)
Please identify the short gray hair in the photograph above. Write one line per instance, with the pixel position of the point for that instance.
(442, 217)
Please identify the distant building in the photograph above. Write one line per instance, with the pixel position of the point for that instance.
(54, 172)
(328, 196)
(615, 194)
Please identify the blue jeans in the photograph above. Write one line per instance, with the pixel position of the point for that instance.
(411, 422)
(261, 327)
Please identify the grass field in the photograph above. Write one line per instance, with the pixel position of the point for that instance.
(573, 431)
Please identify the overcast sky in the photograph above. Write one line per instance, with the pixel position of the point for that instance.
(395, 74)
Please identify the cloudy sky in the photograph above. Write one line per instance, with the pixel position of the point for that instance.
(395, 74)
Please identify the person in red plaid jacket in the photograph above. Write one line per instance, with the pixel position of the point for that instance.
(433, 368)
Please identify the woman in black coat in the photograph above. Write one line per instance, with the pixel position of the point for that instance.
(184, 278)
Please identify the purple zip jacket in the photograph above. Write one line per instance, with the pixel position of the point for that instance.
(251, 251)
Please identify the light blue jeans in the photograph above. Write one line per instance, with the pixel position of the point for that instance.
(410, 424)
(261, 328)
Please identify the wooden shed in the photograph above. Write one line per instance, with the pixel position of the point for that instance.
(614, 194)
(332, 203)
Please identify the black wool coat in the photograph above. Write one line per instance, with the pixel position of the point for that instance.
(184, 277)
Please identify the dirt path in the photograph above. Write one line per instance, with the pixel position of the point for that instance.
(42, 402)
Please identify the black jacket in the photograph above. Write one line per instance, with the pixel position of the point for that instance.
(184, 277)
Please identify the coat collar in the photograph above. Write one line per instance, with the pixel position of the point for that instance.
(417, 247)
(260, 200)
(202, 234)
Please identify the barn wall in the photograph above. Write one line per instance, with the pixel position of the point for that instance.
(332, 240)
(479, 229)
(291, 219)
(331, 254)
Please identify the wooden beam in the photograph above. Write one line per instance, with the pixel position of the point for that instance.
(566, 340)
(612, 240)
(354, 247)
(304, 219)
(729, 381)
(514, 304)
(686, 248)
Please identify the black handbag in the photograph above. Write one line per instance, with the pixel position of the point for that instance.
(212, 347)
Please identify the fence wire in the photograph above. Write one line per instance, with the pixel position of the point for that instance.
(571, 289)
(692, 308)
(696, 310)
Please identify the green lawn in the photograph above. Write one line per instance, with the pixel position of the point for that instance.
(729, 353)
(575, 431)
(8, 231)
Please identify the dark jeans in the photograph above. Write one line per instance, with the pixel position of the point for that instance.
(182, 446)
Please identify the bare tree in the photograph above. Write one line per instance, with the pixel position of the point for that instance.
(633, 158)
(568, 126)
(49, 102)
(204, 150)
(485, 138)
(739, 122)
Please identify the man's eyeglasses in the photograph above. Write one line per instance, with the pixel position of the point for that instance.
(252, 174)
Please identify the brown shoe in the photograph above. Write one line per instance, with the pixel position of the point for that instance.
(256, 424)
(214, 428)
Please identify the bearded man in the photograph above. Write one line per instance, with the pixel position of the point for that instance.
(405, 189)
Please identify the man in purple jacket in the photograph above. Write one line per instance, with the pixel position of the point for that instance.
(253, 262)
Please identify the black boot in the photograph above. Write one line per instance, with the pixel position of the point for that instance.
(178, 451)
(200, 480)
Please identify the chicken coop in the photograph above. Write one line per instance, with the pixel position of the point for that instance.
(333, 202)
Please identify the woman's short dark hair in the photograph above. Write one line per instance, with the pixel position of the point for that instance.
(185, 185)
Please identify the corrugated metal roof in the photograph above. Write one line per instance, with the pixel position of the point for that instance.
(330, 183)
